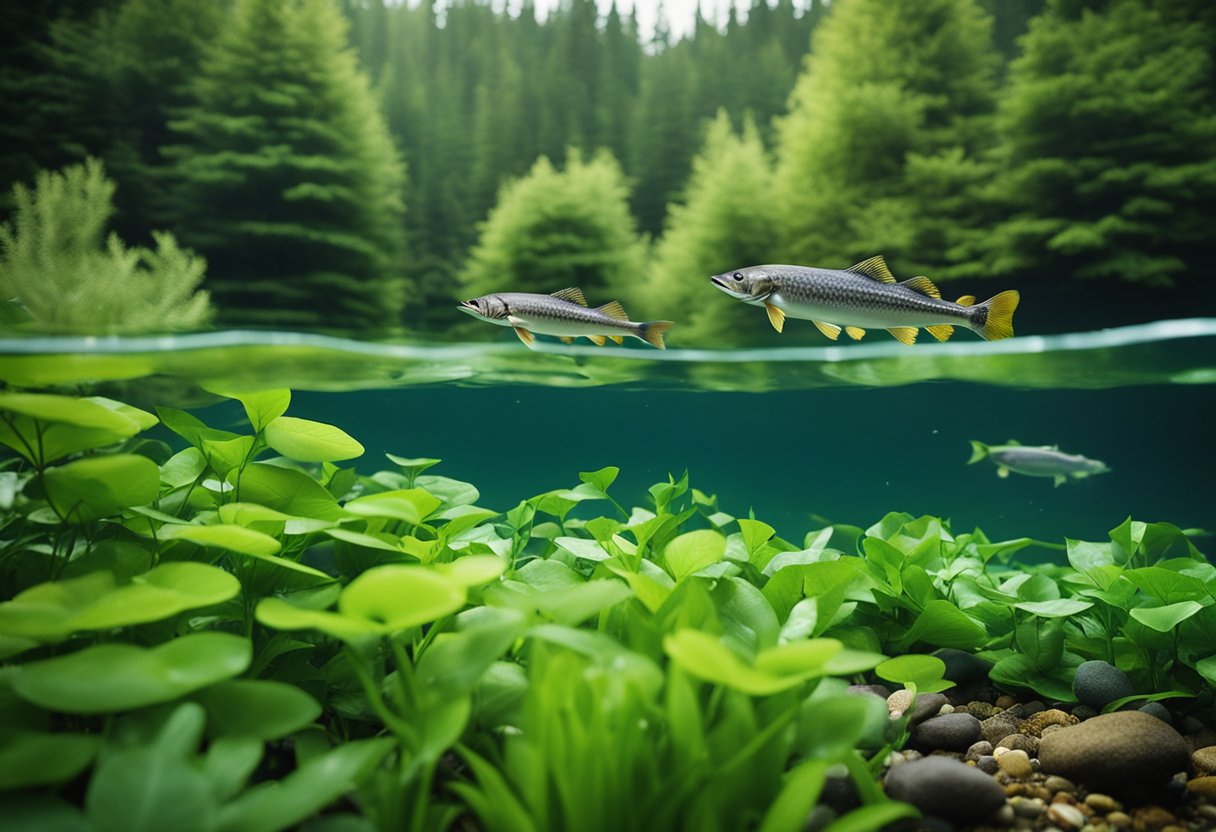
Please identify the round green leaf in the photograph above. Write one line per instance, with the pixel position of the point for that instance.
(1054, 608)
(399, 596)
(701, 655)
(263, 710)
(83, 413)
(799, 658)
(100, 486)
(473, 570)
(310, 441)
(120, 677)
(412, 505)
(693, 551)
(926, 672)
(1165, 619)
(277, 613)
(288, 491)
(263, 406)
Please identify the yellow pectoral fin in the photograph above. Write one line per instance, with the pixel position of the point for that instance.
(904, 334)
(776, 316)
(598, 340)
(855, 332)
(524, 335)
(941, 332)
(566, 339)
(830, 330)
(620, 339)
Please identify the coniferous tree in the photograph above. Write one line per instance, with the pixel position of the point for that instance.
(887, 86)
(289, 182)
(664, 135)
(554, 229)
(727, 222)
(1108, 166)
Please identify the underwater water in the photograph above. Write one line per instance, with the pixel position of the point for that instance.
(803, 436)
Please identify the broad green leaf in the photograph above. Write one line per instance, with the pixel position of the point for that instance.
(648, 590)
(1056, 608)
(1127, 537)
(574, 605)
(1118, 704)
(54, 610)
(800, 658)
(147, 790)
(263, 406)
(1164, 619)
(227, 455)
(229, 762)
(927, 673)
(583, 548)
(1042, 640)
(693, 551)
(309, 441)
(282, 804)
(1085, 557)
(280, 615)
(246, 514)
(755, 534)
(289, 492)
(120, 677)
(100, 486)
(366, 540)
(1168, 585)
(409, 505)
(455, 663)
(225, 536)
(745, 613)
(600, 479)
(831, 727)
(944, 625)
(449, 491)
(183, 468)
(1207, 669)
(472, 570)
(264, 710)
(705, 657)
(399, 596)
(44, 428)
(36, 758)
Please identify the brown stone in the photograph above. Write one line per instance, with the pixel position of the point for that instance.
(1020, 742)
(1151, 818)
(1203, 786)
(1119, 819)
(1033, 725)
(1102, 803)
(1204, 760)
(1115, 751)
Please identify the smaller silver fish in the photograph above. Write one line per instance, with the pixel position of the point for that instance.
(1041, 461)
(564, 314)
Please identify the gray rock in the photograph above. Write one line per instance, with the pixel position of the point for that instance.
(1020, 742)
(925, 706)
(977, 750)
(996, 728)
(1126, 749)
(1158, 710)
(949, 732)
(963, 668)
(946, 788)
(987, 764)
(1099, 683)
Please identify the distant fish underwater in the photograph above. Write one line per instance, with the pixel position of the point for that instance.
(1041, 461)
(564, 314)
(866, 296)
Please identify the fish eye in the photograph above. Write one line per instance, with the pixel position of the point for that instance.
(737, 276)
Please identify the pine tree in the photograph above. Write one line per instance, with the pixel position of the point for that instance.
(664, 135)
(289, 182)
(728, 221)
(1109, 125)
(887, 86)
(554, 229)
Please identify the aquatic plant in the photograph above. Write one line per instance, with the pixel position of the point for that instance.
(243, 634)
(62, 271)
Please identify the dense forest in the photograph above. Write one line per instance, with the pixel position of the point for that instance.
(359, 165)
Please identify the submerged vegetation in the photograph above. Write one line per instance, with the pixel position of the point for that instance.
(209, 629)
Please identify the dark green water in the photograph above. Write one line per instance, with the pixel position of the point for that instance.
(842, 433)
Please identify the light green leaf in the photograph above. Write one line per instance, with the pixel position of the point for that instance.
(411, 505)
(1165, 619)
(583, 548)
(693, 551)
(100, 486)
(399, 596)
(120, 677)
(944, 625)
(873, 816)
(225, 536)
(600, 479)
(575, 604)
(280, 615)
(790, 809)
(927, 673)
(290, 492)
(472, 570)
(263, 406)
(1057, 608)
(309, 441)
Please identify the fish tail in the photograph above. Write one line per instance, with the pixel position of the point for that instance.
(978, 451)
(996, 319)
(652, 332)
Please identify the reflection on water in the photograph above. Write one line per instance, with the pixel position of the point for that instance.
(1164, 352)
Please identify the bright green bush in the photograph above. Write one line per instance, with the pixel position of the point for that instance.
(57, 264)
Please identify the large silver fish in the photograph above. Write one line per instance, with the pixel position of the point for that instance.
(564, 314)
(1041, 461)
(865, 296)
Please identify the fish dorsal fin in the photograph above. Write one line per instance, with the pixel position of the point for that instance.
(875, 268)
(923, 285)
(573, 294)
(966, 300)
(613, 309)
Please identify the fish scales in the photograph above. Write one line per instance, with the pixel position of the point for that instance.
(564, 314)
(829, 293)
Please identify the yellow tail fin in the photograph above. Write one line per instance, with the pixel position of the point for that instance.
(652, 333)
(999, 323)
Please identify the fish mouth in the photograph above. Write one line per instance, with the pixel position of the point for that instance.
(468, 306)
(720, 281)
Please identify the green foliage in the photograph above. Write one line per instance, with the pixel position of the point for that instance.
(887, 87)
(288, 178)
(228, 641)
(58, 265)
(1107, 166)
(728, 220)
(553, 229)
